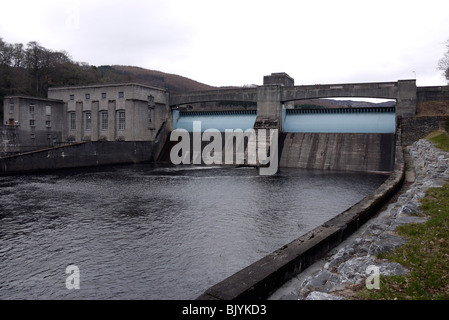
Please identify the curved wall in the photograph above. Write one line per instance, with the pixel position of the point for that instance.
(262, 278)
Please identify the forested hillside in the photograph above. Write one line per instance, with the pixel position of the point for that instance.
(32, 69)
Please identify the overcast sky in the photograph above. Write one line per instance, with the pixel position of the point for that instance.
(234, 42)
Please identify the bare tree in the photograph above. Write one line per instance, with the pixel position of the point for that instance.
(18, 55)
(34, 61)
(443, 64)
(5, 53)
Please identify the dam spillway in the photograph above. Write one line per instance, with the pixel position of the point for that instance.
(346, 139)
(362, 152)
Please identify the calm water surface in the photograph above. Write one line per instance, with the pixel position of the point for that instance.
(142, 232)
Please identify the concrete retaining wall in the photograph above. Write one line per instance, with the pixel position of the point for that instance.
(85, 154)
(9, 141)
(262, 278)
(363, 152)
(414, 129)
(434, 93)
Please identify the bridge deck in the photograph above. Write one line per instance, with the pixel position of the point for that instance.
(384, 90)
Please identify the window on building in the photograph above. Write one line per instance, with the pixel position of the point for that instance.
(121, 94)
(33, 136)
(103, 95)
(72, 97)
(121, 120)
(48, 110)
(11, 107)
(150, 110)
(88, 122)
(32, 123)
(150, 115)
(72, 117)
(48, 124)
(104, 121)
(87, 96)
(32, 108)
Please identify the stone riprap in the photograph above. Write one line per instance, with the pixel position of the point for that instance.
(346, 266)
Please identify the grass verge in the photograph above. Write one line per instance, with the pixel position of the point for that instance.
(426, 253)
(440, 139)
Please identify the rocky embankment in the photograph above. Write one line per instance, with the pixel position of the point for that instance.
(346, 266)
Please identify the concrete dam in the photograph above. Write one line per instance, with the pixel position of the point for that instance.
(359, 152)
(328, 139)
(351, 139)
(364, 152)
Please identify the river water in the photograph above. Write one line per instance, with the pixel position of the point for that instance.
(144, 232)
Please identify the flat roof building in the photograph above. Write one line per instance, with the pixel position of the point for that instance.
(97, 112)
(31, 123)
(112, 112)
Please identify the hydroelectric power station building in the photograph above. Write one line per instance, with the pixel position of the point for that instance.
(104, 112)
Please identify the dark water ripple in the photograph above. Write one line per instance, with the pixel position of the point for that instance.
(138, 232)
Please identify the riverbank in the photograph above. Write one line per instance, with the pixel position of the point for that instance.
(343, 272)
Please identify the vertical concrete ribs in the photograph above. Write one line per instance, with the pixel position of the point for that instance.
(361, 152)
